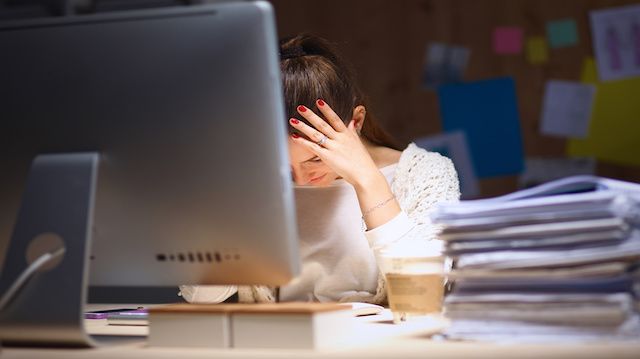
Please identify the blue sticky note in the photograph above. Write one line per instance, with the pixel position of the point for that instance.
(562, 33)
(487, 111)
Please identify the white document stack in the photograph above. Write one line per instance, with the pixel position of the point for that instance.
(555, 262)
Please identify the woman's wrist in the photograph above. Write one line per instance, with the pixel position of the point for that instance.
(371, 182)
(377, 203)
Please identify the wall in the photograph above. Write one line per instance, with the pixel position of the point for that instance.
(386, 42)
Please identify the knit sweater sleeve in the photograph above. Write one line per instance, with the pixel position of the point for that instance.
(424, 180)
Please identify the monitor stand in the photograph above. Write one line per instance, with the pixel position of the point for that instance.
(56, 213)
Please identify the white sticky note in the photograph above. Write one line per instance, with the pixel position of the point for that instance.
(539, 170)
(566, 108)
(454, 146)
(616, 41)
(444, 64)
(458, 61)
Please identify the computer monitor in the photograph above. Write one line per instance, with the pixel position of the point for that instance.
(182, 111)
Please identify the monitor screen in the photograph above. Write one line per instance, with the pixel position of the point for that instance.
(184, 107)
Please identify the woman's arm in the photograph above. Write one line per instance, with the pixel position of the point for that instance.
(423, 179)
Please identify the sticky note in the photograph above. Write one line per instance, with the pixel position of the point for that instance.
(458, 60)
(544, 169)
(566, 108)
(444, 64)
(487, 112)
(562, 33)
(537, 50)
(614, 132)
(589, 72)
(507, 40)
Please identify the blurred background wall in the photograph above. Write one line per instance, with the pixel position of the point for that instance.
(387, 41)
(503, 54)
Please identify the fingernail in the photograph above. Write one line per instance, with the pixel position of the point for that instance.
(294, 121)
(295, 135)
(320, 102)
(302, 108)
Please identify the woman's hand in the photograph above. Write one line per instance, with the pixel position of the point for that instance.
(341, 149)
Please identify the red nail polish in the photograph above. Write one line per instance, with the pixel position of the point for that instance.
(302, 108)
(295, 135)
(294, 121)
(320, 102)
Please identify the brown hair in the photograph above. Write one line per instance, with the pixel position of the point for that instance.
(312, 69)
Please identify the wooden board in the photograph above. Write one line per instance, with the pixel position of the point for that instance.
(386, 43)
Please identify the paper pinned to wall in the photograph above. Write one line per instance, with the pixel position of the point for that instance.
(444, 64)
(539, 170)
(458, 61)
(454, 145)
(589, 72)
(537, 50)
(566, 108)
(562, 33)
(614, 132)
(616, 41)
(487, 111)
(507, 40)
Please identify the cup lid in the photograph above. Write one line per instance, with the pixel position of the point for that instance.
(414, 249)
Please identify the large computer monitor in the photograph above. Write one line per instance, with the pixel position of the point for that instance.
(177, 116)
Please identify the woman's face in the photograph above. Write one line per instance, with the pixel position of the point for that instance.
(307, 168)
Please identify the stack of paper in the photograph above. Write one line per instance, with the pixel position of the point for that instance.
(554, 262)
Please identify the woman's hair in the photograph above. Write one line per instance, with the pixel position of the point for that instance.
(312, 69)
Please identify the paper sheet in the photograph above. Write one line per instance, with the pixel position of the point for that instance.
(616, 41)
(539, 170)
(454, 146)
(487, 111)
(614, 132)
(444, 64)
(586, 271)
(566, 108)
(626, 251)
(517, 332)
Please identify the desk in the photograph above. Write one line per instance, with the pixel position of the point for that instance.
(391, 341)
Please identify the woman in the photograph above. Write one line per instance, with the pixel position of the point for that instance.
(356, 193)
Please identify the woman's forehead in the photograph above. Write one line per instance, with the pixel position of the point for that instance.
(299, 153)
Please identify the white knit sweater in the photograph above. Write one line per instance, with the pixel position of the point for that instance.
(421, 180)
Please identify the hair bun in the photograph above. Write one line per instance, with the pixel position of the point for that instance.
(292, 52)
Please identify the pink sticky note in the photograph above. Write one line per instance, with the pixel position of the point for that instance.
(507, 40)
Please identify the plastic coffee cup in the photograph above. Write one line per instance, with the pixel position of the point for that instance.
(415, 278)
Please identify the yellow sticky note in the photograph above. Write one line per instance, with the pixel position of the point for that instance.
(589, 72)
(537, 50)
(614, 131)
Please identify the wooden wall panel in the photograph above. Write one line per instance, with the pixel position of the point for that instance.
(386, 42)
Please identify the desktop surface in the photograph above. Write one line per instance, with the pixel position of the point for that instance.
(380, 339)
